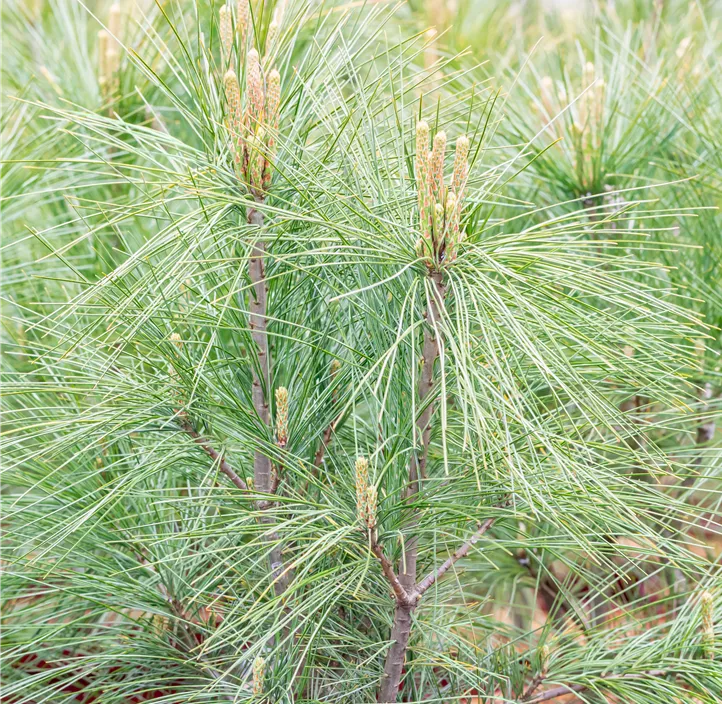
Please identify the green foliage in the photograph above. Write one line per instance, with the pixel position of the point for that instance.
(572, 393)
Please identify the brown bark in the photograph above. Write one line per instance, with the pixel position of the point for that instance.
(397, 653)
(325, 441)
(572, 688)
(258, 322)
(463, 551)
(403, 610)
(214, 455)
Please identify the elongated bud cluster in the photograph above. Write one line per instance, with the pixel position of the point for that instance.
(173, 376)
(546, 86)
(103, 69)
(362, 482)
(423, 182)
(706, 607)
(259, 675)
(437, 167)
(370, 505)
(254, 89)
(226, 31)
(253, 130)
(461, 166)
(335, 369)
(543, 660)
(366, 496)
(439, 206)
(282, 416)
(242, 18)
(235, 117)
(176, 391)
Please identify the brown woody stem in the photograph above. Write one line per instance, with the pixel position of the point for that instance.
(401, 628)
(572, 688)
(325, 441)
(388, 569)
(214, 455)
(258, 322)
(463, 551)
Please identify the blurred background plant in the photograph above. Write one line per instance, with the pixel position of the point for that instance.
(296, 410)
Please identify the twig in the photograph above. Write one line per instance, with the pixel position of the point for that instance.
(463, 551)
(533, 686)
(572, 688)
(328, 433)
(214, 455)
(258, 322)
(388, 570)
(325, 440)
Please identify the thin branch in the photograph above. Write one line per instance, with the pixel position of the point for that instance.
(214, 455)
(533, 686)
(388, 570)
(572, 688)
(258, 322)
(328, 433)
(325, 441)
(463, 551)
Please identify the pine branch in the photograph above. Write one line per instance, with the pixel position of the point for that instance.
(401, 628)
(331, 428)
(325, 441)
(214, 455)
(575, 688)
(388, 569)
(463, 551)
(258, 321)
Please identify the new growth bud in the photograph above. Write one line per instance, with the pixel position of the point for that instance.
(242, 17)
(461, 165)
(282, 416)
(439, 207)
(423, 179)
(233, 99)
(254, 90)
(543, 660)
(259, 674)
(706, 607)
(371, 501)
(362, 482)
(109, 53)
(175, 338)
(271, 37)
(112, 59)
(437, 166)
(253, 129)
(226, 32)
(273, 98)
(103, 69)
(366, 495)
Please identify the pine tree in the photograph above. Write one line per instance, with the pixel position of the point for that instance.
(327, 379)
